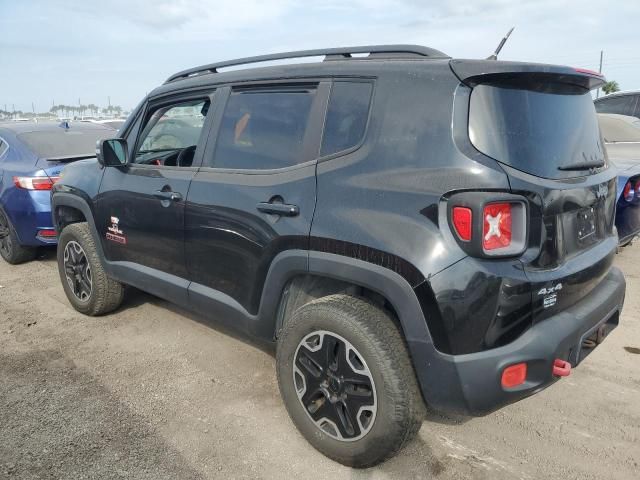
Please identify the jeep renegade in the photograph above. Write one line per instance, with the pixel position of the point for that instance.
(408, 231)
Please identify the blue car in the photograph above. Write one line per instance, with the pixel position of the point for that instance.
(621, 135)
(32, 156)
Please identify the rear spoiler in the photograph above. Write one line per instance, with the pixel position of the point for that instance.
(72, 158)
(475, 72)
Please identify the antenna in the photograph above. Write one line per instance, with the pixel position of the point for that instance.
(502, 42)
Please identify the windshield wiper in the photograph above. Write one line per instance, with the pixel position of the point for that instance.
(583, 166)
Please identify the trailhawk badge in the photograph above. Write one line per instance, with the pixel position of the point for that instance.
(114, 233)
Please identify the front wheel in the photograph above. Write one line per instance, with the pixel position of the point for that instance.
(347, 381)
(84, 280)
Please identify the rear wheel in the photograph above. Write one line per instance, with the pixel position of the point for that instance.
(84, 280)
(10, 248)
(347, 381)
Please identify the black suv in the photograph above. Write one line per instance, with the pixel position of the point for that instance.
(407, 230)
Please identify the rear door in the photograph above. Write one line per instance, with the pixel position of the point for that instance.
(141, 207)
(544, 131)
(255, 193)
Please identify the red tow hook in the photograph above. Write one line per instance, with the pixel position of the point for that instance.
(561, 368)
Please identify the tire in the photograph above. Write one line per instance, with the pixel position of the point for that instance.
(378, 355)
(10, 249)
(88, 287)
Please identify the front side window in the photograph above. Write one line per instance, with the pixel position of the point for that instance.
(172, 133)
(346, 116)
(264, 129)
(3, 147)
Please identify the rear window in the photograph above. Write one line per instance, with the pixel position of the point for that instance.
(346, 116)
(620, 104)
(64, 143)
(536, 129)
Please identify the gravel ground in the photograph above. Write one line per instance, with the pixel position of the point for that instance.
(155, 392)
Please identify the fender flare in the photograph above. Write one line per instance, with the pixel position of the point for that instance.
(64, 199)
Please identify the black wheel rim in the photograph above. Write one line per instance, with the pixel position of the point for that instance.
(334, 386)
(77, 271)
(6, 245)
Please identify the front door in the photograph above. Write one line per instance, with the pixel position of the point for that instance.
(255, 194)
(141, 207)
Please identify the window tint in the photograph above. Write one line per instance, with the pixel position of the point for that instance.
(622, 105)
(170, 130)
(264, 129)
(538, 130)
(637, 112)
(346, 116)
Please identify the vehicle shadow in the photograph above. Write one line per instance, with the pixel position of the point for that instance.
(135, 298)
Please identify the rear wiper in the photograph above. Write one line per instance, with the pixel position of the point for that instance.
(583, 166)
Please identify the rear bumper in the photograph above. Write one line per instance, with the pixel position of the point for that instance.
(29, 212)
(471, 383)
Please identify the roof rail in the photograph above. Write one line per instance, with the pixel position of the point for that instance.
(374, 51)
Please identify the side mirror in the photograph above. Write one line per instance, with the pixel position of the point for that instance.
(112, 153)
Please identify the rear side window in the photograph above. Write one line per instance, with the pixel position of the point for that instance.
(264, 129)
(346, 116)
(620, 104)
(539, 131)
(3, 147)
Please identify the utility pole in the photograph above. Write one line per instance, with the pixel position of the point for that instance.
(599, 71)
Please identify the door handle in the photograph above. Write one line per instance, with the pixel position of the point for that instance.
(282, 209)
(173, 196)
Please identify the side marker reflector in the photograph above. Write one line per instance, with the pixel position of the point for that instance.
(514, 375)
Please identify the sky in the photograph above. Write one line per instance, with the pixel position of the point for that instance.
(65, 50)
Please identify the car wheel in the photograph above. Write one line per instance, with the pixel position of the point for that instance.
(10, 248)
(347, 381)
(84, 280)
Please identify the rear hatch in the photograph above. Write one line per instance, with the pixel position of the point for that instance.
(540, 124)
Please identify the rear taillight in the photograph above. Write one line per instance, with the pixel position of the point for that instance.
(628, 193)
(462, 218)
(496, 230)
(35, 183)
(489, 224)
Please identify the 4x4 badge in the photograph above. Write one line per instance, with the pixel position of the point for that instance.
(550, 295)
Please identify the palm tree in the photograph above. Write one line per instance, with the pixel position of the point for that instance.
(610, 87)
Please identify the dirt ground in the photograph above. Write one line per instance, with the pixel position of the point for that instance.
(154, 392)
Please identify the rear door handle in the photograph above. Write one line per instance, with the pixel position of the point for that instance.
(173, 196)
(282, 209)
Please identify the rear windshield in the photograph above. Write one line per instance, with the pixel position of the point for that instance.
(536, 129)
(619, 128)
(62, 143)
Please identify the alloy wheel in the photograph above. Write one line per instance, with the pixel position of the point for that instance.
(334, 386)
(6, 245)
(77, 271)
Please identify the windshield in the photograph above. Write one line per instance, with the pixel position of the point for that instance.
(65, 143)
(619, 128)
(547, 130)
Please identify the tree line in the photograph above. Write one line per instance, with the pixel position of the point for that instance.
(68, 111)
